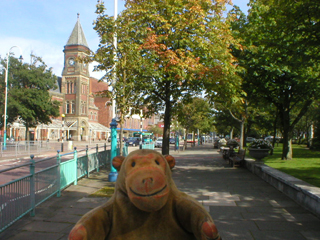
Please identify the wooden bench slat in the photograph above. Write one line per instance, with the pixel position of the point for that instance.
(238, 158)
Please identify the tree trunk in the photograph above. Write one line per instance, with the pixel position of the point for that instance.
(241, 128)
(185, 139)
(274, 132)
(27, 133)
(241, 134)
(166, 129)
(288, 127)
(287, 136)
(231, 133)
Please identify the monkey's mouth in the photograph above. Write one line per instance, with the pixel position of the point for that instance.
(148, 195)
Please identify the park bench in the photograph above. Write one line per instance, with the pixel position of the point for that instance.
(237, 158)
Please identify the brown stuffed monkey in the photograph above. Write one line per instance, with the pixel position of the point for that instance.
(146, 205)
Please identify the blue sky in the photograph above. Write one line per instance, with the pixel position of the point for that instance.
(44, 26)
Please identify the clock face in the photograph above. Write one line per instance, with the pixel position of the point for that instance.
(71, 61)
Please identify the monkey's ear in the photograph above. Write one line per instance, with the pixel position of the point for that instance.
(171, 161)
(117, 162)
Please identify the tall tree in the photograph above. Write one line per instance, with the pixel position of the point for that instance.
(281, 41)
(184, 50)
(118, 57)
(28, 93)
(196, 115)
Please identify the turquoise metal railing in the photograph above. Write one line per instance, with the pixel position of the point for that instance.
(21, 196)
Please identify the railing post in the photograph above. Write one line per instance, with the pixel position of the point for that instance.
(87, 161)
(59, 173)
(97, 152)
(32, 187)
(75, 157)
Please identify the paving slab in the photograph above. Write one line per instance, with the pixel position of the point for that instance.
(242, 205)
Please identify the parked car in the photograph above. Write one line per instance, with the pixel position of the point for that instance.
(250, 139)
(270, 139)
(133, 141)
(172, 140)
(158, 142)
(124, 139)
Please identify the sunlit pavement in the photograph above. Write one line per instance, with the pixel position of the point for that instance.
(242, 205)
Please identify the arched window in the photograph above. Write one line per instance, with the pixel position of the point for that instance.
(67, 87)
(71, 87)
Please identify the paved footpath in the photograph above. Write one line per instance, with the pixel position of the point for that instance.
(242, 205)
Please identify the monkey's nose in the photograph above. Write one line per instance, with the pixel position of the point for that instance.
(147, 180)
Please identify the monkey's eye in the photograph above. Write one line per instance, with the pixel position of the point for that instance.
(157, 162)
(133, 164)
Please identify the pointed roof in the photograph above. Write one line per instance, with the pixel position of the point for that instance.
(77, 36)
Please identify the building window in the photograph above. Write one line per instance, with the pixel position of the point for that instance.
(67, 107)
(67, 87)
(73, 107)
(83, 108)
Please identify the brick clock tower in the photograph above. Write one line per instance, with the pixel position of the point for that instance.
(75, 86)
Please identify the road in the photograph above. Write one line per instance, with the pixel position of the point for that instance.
(51, 157)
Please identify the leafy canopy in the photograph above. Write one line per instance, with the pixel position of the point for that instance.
(28, 92)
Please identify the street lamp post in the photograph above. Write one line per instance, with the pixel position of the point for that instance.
(6, 98)
(113, 125)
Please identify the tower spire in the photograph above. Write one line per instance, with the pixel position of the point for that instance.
(77, 36)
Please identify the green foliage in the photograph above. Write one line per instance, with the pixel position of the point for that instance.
(28, 92)
(173, 50)
(120, 61)
(223, 122)
(261, 144)
(155, 129)
(304, 166)
(279, 52)
(232, 142)
(196, 115)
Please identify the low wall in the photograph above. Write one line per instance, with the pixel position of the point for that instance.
(303, 193)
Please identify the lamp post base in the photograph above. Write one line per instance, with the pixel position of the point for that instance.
(112, 176)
